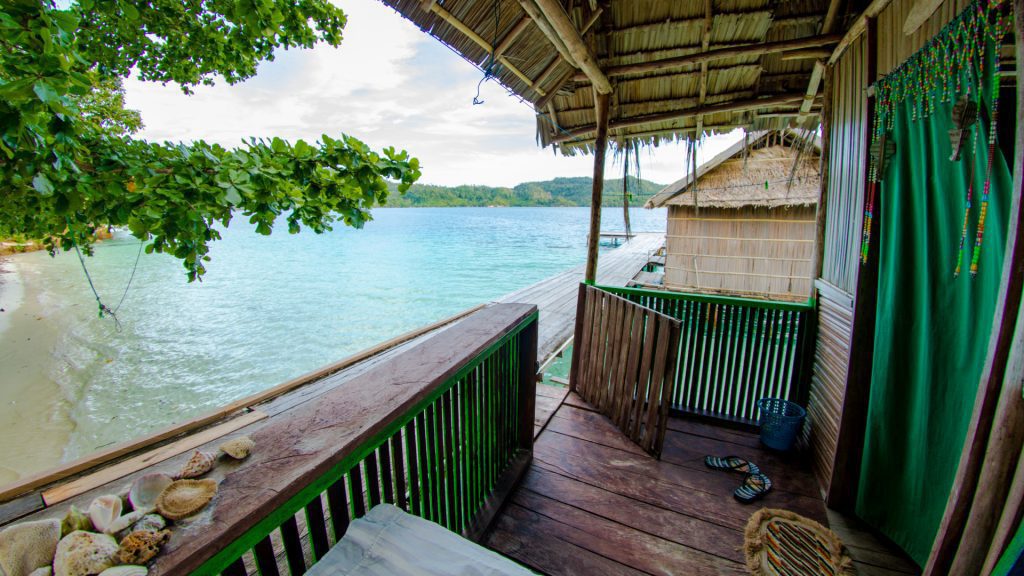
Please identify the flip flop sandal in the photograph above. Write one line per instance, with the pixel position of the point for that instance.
(754, 487)
(732, 464)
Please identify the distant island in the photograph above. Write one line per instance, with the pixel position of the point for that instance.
(557, 192)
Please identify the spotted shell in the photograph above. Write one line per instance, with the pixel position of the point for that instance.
(141, 546)
(200, 463)
(238, 448)
(185, 497)
(27, 546)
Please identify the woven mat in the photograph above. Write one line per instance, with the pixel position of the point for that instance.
(781, 543)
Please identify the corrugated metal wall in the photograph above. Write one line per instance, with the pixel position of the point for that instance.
(840, 262)
(758, 252)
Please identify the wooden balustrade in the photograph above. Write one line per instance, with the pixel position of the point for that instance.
(733, 351)
(624, 363)
(443, 431)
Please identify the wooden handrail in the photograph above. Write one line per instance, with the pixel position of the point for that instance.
(319, 444)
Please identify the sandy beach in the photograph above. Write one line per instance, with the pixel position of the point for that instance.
(33, 410)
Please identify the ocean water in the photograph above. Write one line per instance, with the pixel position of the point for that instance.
(274, 307)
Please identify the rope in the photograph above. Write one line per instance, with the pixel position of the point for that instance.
(105, 310)
(489, 68)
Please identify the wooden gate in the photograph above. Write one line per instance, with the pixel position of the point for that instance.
(624, 363)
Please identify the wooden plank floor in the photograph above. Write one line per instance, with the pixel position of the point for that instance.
(594, 503)
(555, 297)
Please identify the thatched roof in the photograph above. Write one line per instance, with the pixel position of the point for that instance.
(758, 172)
(673, 68)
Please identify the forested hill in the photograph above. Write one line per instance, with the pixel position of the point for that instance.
(557, 192)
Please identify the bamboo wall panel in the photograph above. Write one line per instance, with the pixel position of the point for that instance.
(893, 46)
(748, 251)
(847, 167)
(626, 357)
(828, 382)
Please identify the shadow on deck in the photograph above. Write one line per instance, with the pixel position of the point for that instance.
(594, 503)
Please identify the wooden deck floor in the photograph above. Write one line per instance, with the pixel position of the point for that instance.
(593, 503)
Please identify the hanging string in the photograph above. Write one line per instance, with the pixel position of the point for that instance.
(967, 207)
(489, 67)
(103, 309)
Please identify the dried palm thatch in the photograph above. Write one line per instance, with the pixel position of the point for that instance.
(767, 175)
(675, 69)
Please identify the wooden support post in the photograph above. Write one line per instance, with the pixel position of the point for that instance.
(852, 426)
(567, 33)
(821, 216)
(527, 384)
(600, 147)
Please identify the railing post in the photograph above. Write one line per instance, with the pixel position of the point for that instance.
(527, 384)
(577, 336)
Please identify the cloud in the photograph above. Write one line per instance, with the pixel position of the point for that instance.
(388, 84)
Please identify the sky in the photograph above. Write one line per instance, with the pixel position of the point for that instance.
(388, 84)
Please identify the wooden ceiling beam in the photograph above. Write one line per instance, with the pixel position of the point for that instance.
(734, 106)
(722, 53)
(860, 25)
(808, 54)
(535, 14)
(827, 27)
(509, 38)
(566, 31)
(705, 43)
(663, 132)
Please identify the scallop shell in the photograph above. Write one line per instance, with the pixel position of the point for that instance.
(146, 489)
(200, 463)
(238, 448)
(27, 546)
(142, 546)
(82, 553)
(125, 571)
(104, 510)
(185, 497)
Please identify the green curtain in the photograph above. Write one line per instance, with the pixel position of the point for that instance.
(932, 330)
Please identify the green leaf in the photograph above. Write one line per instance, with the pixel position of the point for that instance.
(42, 184)
(46, 92)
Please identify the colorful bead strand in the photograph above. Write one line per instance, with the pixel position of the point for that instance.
(992, 131)
(967, 207)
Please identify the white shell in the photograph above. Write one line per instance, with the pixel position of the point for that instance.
(200, 463)
(127, 570)
(28, 546)
(238, 447)
(125, 521)
(103, 511)
(44, 571)
(146, 489)
(83, 553)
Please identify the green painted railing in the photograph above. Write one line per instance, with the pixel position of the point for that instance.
(451, 457)
(734, 351)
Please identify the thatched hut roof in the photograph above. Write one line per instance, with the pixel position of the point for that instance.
(768, 171)
(674, 69)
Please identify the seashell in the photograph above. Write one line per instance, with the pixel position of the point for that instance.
(200, 463)
(238, 448)
(27, 546)
(125, 521)
(75, 519)
(154, 522)
(142, 546)
(146, 489)
(125, 571)
(44, 571)
(82, 553)
(104, 510)
(185, 497)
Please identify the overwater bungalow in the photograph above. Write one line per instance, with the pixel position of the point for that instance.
(909, 359)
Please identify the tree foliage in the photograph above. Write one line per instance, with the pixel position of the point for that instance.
(558, 192)
(68, 162)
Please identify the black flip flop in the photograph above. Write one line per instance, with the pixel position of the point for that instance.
(731, 464)
(754, 487)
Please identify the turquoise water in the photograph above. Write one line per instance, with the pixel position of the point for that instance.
(275, 307)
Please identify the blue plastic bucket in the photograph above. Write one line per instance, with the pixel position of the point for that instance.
(781, 421)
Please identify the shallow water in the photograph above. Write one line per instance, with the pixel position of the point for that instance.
(272, 308)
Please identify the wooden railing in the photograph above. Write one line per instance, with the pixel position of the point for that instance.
(734, 351)
(442, 430)
(624, 363)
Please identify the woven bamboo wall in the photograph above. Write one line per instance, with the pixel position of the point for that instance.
(841, 263)
(759, 252)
